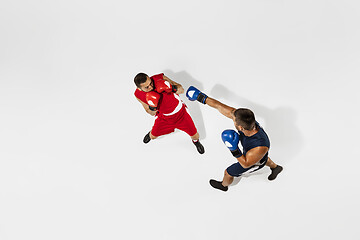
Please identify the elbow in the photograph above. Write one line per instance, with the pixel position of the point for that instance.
(243, 163)
(247, 165)
(180, 90)
(152, 113)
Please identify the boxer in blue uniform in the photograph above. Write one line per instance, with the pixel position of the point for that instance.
(252, 136)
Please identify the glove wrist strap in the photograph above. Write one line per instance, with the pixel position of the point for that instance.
(201, 98)
(236, 153)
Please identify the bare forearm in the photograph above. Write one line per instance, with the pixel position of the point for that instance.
(180, 89)
(152, 113)
(222, 108)
(147, 108)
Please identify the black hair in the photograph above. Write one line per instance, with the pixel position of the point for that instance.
(140, 78)
(245, 118)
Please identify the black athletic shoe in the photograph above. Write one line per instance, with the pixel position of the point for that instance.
(274, 172)
(147, 138)
(199, 147)
(218, 185)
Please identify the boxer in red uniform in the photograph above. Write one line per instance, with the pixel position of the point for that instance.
(159, 96)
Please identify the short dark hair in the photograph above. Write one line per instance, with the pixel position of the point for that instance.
(140, 78)
(245, 118)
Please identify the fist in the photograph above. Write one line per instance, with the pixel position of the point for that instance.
(164, 86)
(195, 94)
(152, 99)
(230, 139)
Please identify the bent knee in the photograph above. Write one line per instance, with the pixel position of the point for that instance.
(152, 136)
(196, 135)
(227, 174)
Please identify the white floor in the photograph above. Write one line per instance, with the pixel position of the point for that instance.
(72, 161)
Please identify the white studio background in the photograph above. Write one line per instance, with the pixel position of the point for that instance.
(72, 161)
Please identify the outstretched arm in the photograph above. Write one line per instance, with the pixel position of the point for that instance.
(222, 108)
(195, 94)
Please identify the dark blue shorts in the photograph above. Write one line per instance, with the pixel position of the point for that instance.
(236, 169)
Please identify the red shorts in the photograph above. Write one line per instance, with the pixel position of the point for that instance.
(167, 124)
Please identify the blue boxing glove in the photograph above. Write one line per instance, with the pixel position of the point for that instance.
(194, 94)
(231, 140)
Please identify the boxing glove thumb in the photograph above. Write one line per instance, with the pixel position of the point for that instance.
(164, 86)
(231, 140)
(152, 99)
(195, 94)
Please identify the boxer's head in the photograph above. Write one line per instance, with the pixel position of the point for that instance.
(244, 119)
(143, 82)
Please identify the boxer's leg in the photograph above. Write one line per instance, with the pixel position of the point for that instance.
(235, 170)
(270, 163)
(275, 169)
(160, 128)
(195, 137)
(148, 137)
(187, 125)
(152, 136)
(199, 147)
(227, 180)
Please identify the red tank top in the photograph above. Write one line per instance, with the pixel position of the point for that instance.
(168, 101)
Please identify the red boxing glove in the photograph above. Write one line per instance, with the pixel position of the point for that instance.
(158, 77)
(164, 86)
(153, 98)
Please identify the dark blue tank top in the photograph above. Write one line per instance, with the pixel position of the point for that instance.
(256, 140)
